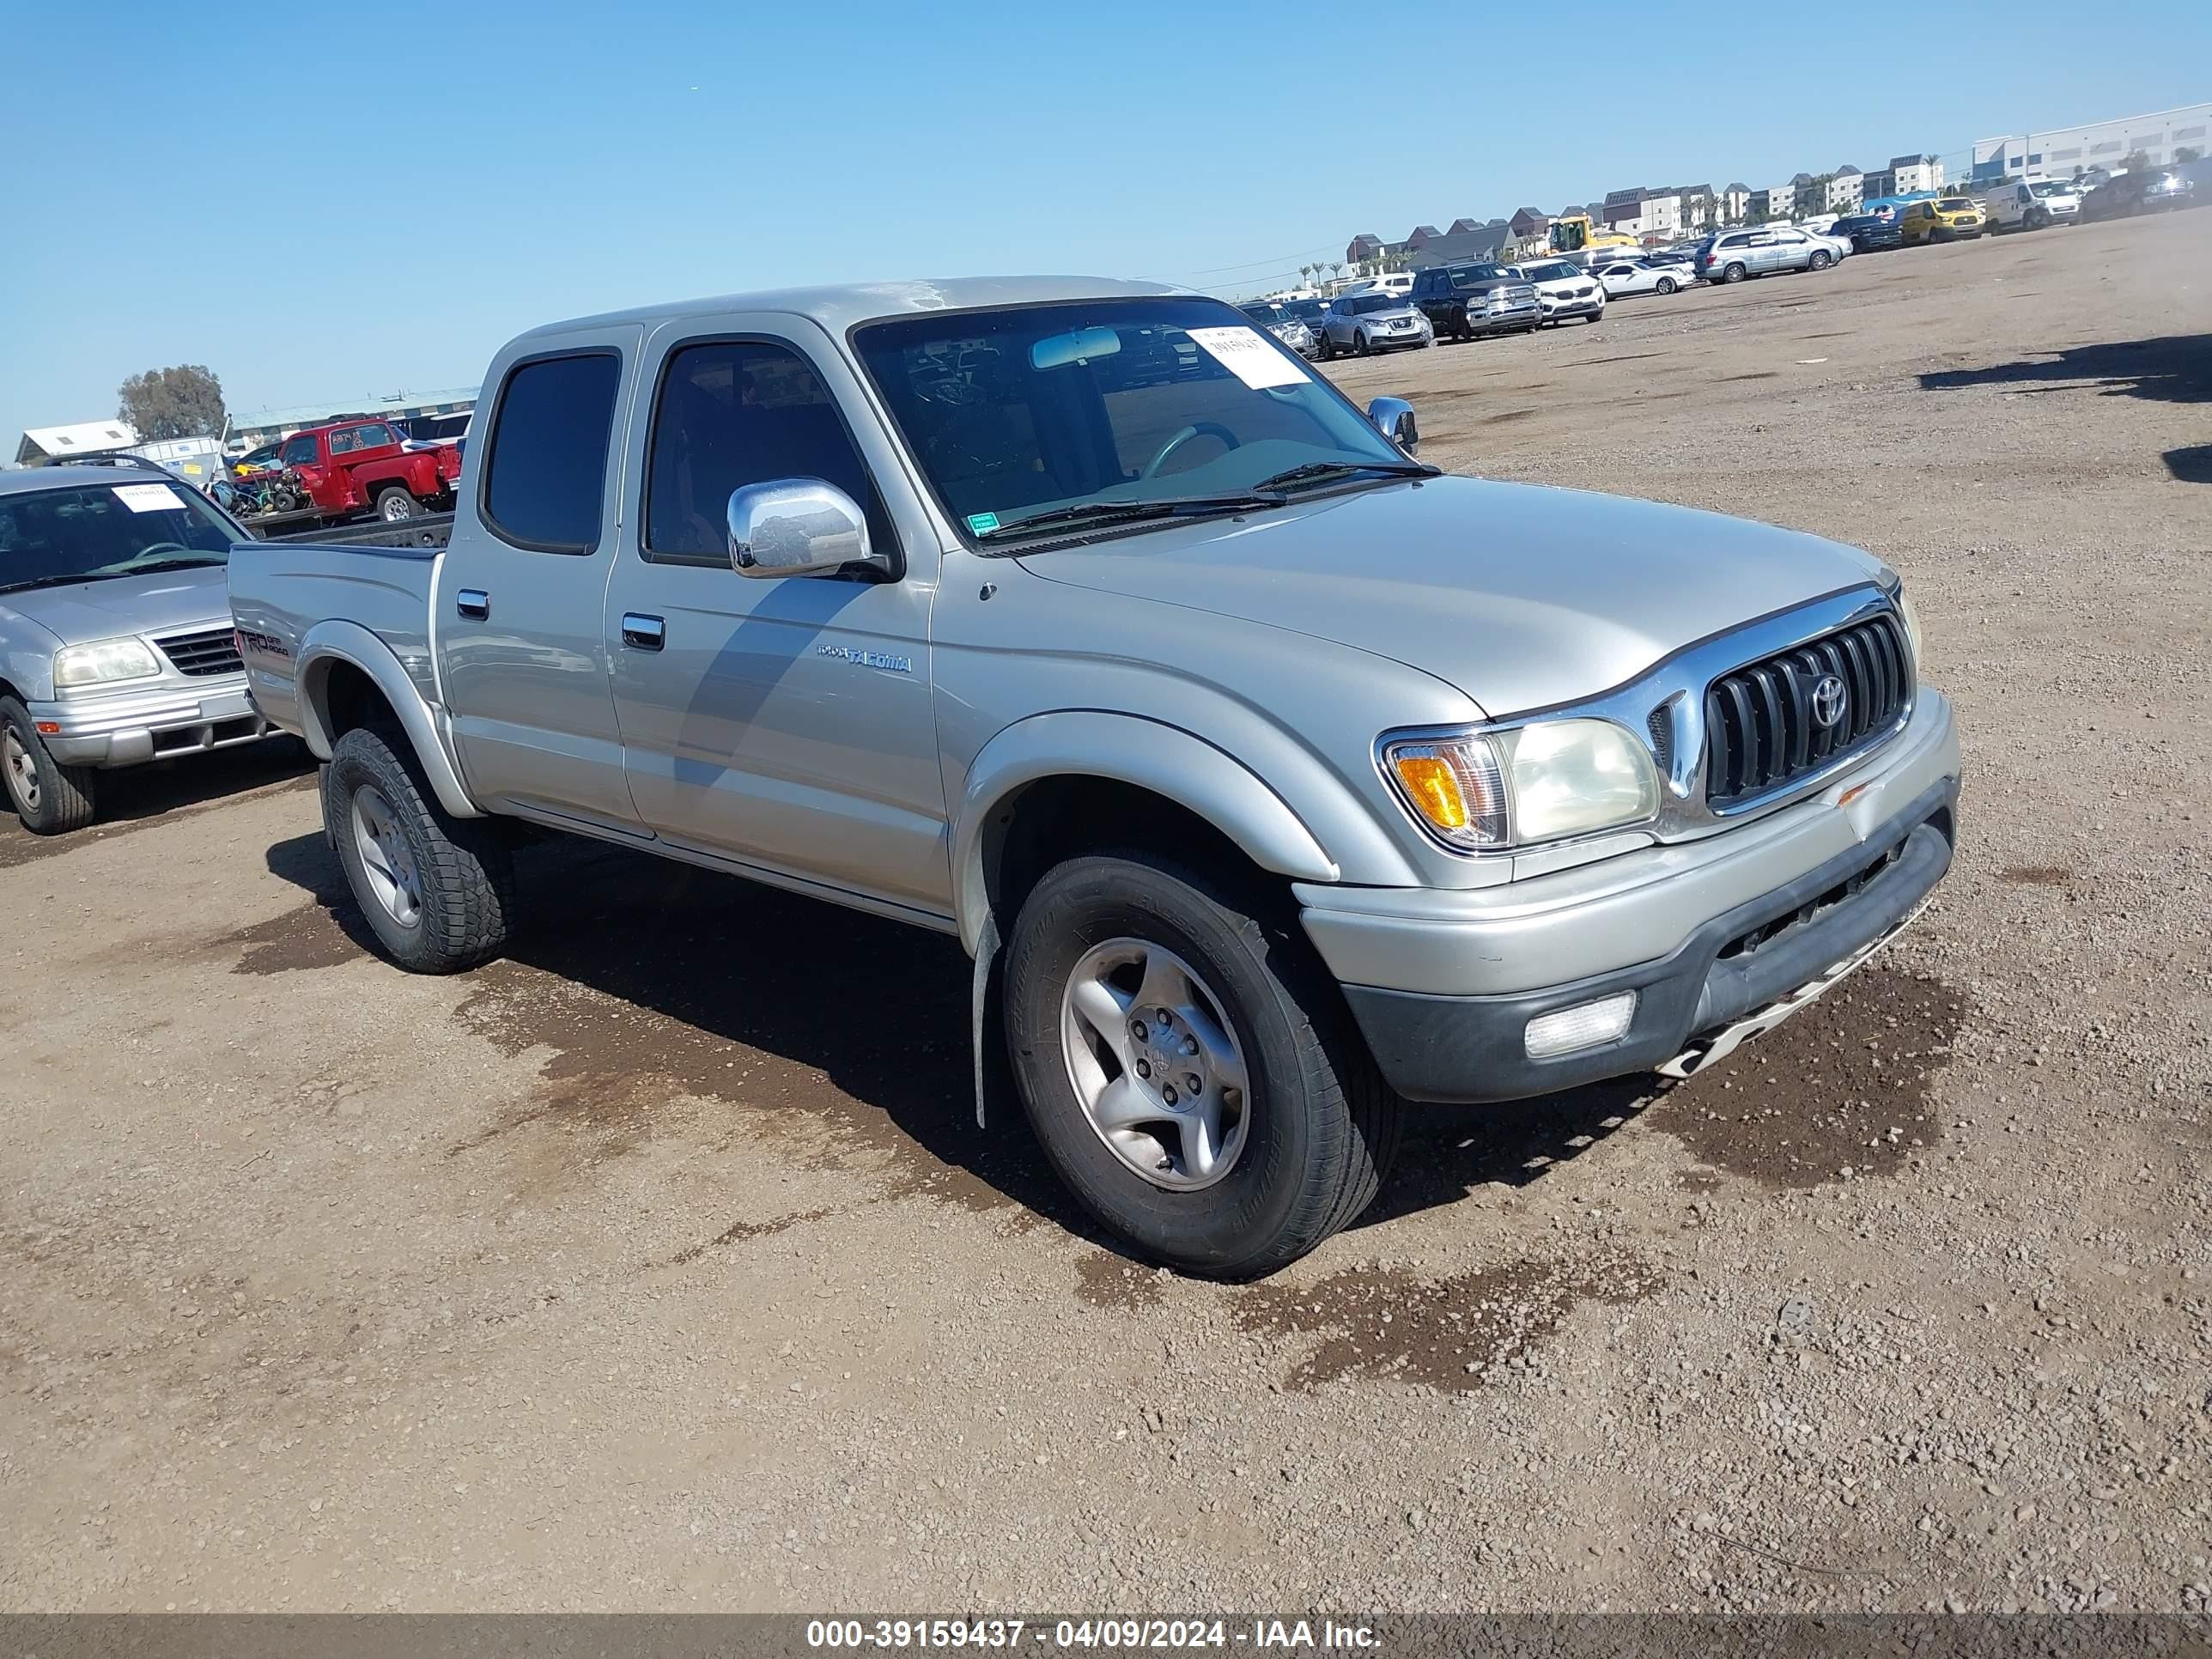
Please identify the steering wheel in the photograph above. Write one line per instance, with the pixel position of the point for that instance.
(1203, 429)
(147, 555)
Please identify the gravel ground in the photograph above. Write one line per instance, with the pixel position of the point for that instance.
(636, 1272)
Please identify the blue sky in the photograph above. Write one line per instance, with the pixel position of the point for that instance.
(328, 201)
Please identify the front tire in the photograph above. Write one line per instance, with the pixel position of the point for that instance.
(51, 798)
(1290, 1129)
(1360, 348)
(438, 892)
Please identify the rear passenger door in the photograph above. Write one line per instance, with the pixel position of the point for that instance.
(519, 617)
(784, 724)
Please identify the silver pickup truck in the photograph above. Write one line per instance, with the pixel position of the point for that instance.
(1271, 779)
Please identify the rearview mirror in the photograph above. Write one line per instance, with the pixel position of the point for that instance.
(1393, 419)
(1076, 346)
(798, 527)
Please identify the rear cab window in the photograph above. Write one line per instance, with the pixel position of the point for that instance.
(545, 468)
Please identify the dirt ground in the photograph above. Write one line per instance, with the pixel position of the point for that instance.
(645, 1270)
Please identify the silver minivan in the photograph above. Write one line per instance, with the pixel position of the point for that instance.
(1735, 254)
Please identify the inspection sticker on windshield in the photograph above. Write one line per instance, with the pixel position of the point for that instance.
(1250, 356)
(147, 498)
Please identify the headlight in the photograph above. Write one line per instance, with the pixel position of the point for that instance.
(1911, 625)
(102, 661)
(1540, 782)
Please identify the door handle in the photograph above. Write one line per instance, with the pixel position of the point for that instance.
(643, 633)
(474, 604)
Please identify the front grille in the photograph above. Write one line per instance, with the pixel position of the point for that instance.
(212, 651)
(1762, 732)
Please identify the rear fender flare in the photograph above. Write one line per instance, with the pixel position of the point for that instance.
(1125, 748)
(330, 642)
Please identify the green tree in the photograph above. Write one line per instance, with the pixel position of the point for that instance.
(2138, 161)
(184, 402)
(2187, 153)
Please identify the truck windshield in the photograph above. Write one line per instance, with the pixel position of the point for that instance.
(88, 533)
(1015, 414)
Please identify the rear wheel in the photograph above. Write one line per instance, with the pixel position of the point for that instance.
(51, 798)
(1821, 260)
(437, 891)
(1665, 285)
(1327, 348)
(394, 505)
(1735, 272)
(1188, 1067)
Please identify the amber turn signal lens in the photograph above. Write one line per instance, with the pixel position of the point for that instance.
(1433, 789)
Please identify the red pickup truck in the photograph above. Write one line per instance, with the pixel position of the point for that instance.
(358, 466)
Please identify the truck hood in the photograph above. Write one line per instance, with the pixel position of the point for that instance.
(1520, 596)
(115, 605)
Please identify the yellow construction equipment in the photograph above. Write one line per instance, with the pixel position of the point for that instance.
(1573, 237)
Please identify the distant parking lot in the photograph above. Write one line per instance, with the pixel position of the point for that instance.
(640, 1271)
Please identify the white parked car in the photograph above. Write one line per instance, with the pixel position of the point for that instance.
(2021, 205)
(1625, 277)
(1563, 290)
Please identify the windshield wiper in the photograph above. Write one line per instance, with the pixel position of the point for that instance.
(47, 581)
(1312, 469)
(201, 564)
(1118, 512)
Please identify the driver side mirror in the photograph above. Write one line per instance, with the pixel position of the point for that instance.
(1393, 419)
(798, 527)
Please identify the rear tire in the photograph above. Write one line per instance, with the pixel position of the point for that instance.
(1734, 273)
(1327, 348)
(1821, 260)
(394, 505)
(1665, 285)
(438, 892)
(1301, 1147)
(51, 798)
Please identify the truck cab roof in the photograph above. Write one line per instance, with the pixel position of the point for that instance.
(839, 306)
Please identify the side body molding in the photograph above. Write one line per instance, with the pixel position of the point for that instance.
(1128, 748)
(329, 642)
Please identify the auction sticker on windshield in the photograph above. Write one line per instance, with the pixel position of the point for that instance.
(147, 498)
(1247, 354)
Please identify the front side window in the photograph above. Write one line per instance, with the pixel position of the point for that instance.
(545, 476)
(737, 412)
(1118, 408)
(86, 532)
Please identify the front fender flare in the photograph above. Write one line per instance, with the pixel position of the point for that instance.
(1127, 749)
(328, 642)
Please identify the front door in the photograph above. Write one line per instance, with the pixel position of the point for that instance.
(519, 617)
(785, 723)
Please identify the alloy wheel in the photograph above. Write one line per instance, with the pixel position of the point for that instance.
(387, 857)
(23, 769)
(1155, 1063)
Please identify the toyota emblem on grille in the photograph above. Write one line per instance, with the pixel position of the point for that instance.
(1828, 699)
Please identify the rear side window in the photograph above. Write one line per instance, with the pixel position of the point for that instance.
(546, 472)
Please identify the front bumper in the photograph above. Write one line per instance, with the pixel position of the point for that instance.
(131, 728)
(1443, 984)
(1554, 310)
(1495, 322)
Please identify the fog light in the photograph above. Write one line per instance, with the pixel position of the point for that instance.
(1582, 1026)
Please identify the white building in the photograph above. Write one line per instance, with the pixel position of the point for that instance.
(2064, 151)
(1843, 189)
(42, 445)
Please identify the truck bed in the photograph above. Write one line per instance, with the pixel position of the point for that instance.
(279, 590)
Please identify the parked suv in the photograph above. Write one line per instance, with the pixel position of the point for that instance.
(1284, 325)
(115, 634)
(1271, 779)
(2128, 193)
(1464, 301)
(1733, 255)
(1870, 233)
(1564, 290)
(1361, 323)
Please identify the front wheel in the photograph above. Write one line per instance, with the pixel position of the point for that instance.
(1359, 346)
(51, 798)
(438, 892)
(1188, 1067)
